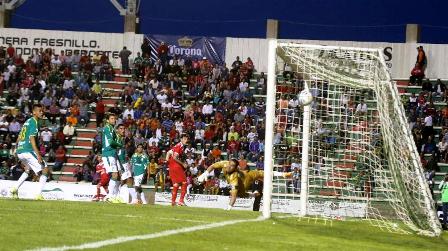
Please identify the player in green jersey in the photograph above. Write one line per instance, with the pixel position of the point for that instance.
(109, 153)
(139, 162)
(124, 167)
(28, 153)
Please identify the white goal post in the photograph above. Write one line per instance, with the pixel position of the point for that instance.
(350, 152)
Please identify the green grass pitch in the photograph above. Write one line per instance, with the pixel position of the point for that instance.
(27, 225)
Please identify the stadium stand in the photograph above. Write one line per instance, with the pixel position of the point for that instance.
(158, 102)
(221, 109)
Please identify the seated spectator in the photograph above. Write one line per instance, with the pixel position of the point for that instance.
(14, 129)
(46, 136)
(427, 86)
(60, 158)
(69, 132)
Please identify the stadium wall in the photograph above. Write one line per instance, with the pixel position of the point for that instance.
(400, 57)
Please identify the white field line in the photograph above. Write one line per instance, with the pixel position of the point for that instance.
(186, 220)
(112, 215)
(123, 239)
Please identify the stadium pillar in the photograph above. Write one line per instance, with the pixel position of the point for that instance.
(412, 33)
(130, 23)
(272, 29)
(3, 17)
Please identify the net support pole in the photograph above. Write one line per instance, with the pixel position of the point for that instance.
(305, 157)
(269, 132)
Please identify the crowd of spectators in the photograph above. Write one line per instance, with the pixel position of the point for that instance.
(212, 103)
(46, 77)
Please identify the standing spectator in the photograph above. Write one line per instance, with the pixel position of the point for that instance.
(124, 56)
(421, 58)
(99, 111)
(162, 52)
(11, 51)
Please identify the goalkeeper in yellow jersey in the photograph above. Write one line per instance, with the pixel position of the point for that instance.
(240, 181)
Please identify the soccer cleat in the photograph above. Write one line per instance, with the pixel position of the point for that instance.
(181, 204)
(14, 193)
(40, 197)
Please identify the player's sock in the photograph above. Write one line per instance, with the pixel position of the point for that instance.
(174, 194)
(112, 184)
(183, 192)
(42, 181)
(22, 179)
(143, 198)
(117, 189)
(133, 194)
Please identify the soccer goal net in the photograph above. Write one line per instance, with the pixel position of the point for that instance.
(349, 151)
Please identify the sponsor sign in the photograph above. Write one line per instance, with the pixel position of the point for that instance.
(219, 201)
(335, 209)
(51, 191)
(28, 42)
(213, 48)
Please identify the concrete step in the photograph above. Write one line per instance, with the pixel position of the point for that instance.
(88, 135)
(75, 161)
(80, 152)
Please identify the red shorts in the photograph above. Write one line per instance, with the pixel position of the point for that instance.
(104, 180)
(177, 174)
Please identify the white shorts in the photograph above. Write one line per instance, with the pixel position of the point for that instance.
(138, 180)
(127, 171)
(30, 160)
(110, 164)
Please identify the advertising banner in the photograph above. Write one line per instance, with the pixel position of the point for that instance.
(28, 42)
(220, 201)
(52, 191)
(212, 48)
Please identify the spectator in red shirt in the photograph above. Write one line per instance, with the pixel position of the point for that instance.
(99, 110)
(153, 151)
(162, 52)
(10, 51)
(60, 158)
(232, 147)
(209, 134)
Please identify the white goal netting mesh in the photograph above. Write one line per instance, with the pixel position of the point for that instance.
(362, 160)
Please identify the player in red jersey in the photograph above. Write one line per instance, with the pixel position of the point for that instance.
(104, 180)
(177, 170)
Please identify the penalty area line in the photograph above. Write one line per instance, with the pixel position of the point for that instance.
(119, 240)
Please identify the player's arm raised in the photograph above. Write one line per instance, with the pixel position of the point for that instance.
(218, 165)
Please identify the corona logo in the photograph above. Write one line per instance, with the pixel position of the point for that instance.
(174, 50)
(185, 42)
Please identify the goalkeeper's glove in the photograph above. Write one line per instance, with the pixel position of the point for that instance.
(203, 177)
